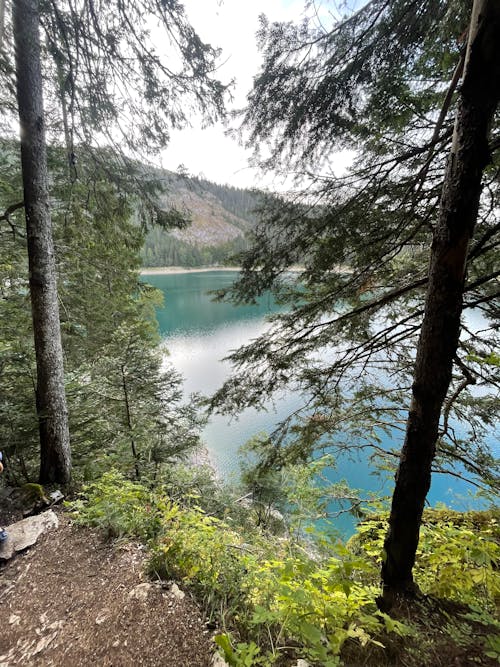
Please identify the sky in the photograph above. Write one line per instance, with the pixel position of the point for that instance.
(230, 25)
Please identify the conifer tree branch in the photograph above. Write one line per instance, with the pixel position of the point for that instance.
(6, 217)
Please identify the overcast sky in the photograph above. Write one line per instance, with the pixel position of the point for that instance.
(230, 25)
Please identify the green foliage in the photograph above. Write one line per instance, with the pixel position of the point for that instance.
(266, 592)
(196, 486)
(99, 195)
(457, 558)
(243, 655)
(319, 605)
(205, 553)
(373, 81)
(130, 93)
(18, 420)
(125, 404)
(264, 486)
(34, 492)
(120, 508)
(492, 646)
(292, 495)
(276, 600)
(163, 249)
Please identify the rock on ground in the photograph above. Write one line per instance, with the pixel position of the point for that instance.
(25, 533)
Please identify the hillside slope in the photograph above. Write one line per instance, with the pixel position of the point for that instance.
(220, 216)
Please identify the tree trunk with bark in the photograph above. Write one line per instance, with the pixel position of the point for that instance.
(437, 347)
(55, 453)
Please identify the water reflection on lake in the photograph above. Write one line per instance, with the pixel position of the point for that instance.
(200, 333)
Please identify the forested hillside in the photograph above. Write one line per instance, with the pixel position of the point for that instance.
(219, 216)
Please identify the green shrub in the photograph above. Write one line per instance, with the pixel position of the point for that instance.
(121, 508)
(276, 600)
(458, 556)
(206, 554)
(317, 605)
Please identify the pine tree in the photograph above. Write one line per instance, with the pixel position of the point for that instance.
(55, 453)
(113, 362)
(440, 330)
(104, 83)
(383, 83)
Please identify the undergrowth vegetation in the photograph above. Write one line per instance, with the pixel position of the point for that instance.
(276, 599)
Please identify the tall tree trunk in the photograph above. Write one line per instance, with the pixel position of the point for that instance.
(55, 454)
(440, 332)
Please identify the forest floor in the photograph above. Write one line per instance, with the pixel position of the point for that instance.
(73, 600)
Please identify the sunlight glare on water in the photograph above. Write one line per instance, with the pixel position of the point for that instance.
(199, 333)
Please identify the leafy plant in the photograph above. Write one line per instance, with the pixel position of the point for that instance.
(205, 553)
(458, 554)
(121, 508)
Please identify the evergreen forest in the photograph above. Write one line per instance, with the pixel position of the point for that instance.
(379, 266)
(232, 208)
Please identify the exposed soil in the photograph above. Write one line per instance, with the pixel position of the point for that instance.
(73, 600)
(12, 505)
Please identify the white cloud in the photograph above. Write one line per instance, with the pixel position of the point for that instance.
(232, 26)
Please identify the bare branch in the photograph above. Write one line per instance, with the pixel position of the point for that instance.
(8, 212)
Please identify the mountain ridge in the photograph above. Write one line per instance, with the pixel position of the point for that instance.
(220, 216)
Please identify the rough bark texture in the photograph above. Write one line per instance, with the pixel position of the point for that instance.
(55, 456)
(440, 332)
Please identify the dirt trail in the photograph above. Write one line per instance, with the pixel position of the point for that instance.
(73, 600)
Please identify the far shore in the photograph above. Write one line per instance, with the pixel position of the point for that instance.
(163, 270)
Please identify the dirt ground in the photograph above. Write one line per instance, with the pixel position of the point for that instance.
(73, 600)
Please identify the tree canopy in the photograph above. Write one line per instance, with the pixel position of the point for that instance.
(381, 83)
(121, 73)
(101, 84)
(385, 83)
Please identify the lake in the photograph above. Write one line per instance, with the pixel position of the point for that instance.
(200, 333)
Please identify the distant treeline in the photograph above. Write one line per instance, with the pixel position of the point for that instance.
(163, 249)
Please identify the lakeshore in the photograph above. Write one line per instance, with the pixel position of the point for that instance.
(171, 270)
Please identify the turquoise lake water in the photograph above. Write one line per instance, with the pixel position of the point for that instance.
(200, 333)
